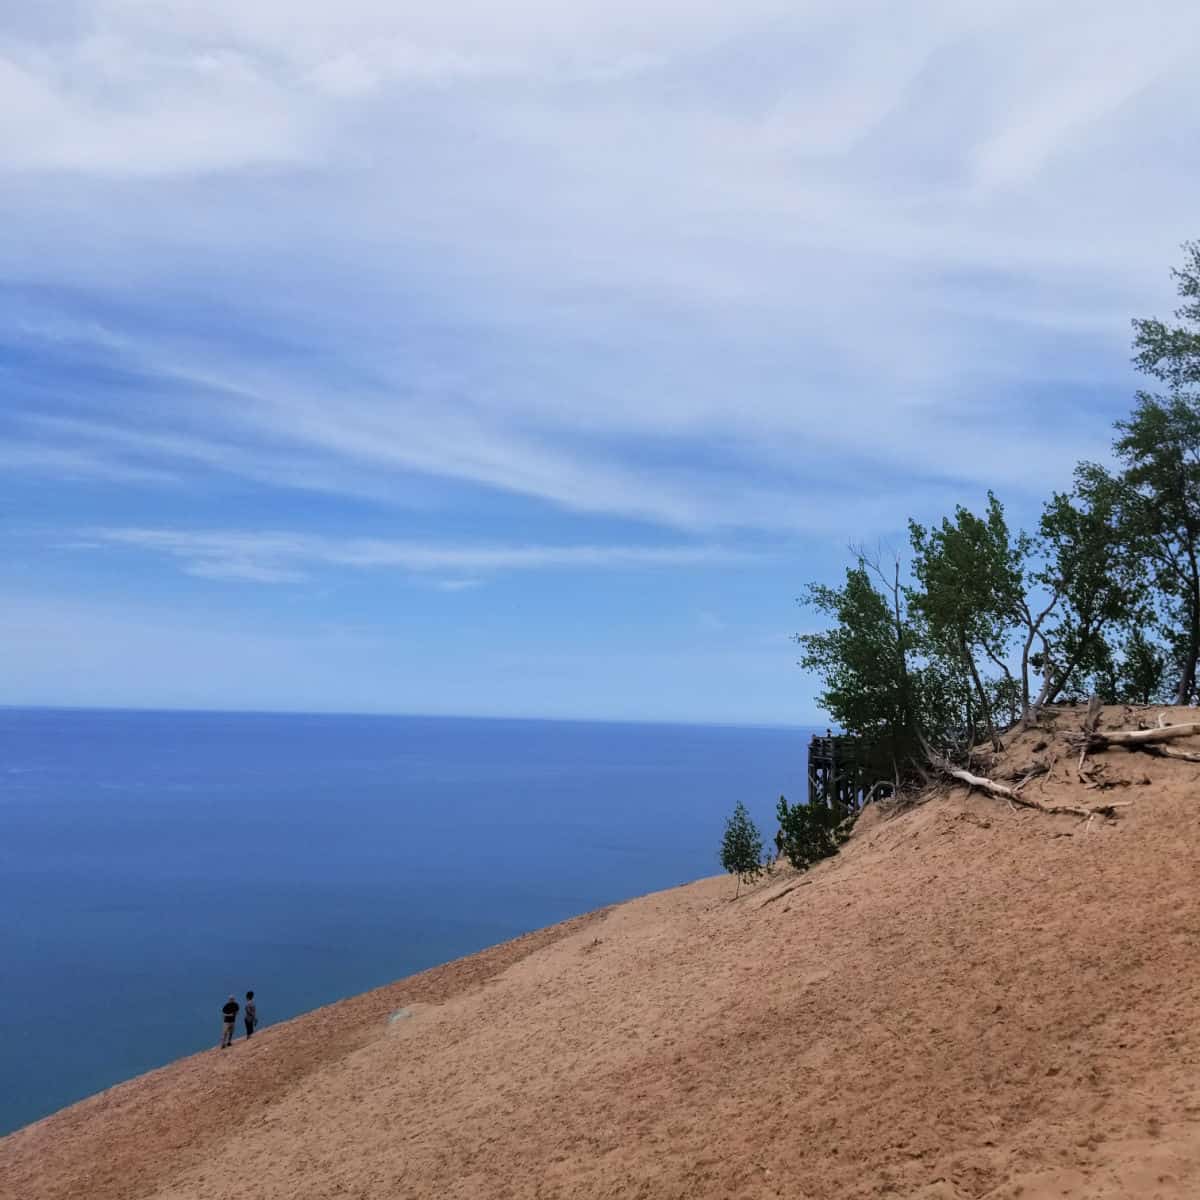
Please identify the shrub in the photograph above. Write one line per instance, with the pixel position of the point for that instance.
(811, 832)
(742, 848)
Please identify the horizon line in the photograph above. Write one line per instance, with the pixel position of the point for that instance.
(182, 710)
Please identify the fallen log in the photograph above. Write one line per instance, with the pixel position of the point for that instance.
(1013, 796)
(1135, 739)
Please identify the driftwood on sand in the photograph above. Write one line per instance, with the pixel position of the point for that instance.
(1089, 740)
(1013, 795)
(1134, 739)
(1171, 752)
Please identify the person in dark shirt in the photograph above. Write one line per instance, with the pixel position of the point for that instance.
(229, 1014)
(250, 1014)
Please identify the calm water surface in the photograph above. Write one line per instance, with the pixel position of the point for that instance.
(152, 863)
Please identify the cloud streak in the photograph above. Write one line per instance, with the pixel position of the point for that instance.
(632, 289)
(282, 557)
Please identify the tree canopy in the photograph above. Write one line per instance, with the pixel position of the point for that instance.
(985, 624)
(742, 847)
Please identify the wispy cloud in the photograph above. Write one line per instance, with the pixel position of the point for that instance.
(239, 570)
(614, 287)
(457, 585)
(625, 261)
(280, 557)
(61, 462)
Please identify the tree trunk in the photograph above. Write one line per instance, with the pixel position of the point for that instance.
(1035, 627)
(984, 707)
(1187, 677)
(902, 657)
(1052, 682)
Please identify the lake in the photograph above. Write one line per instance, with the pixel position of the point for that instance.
(151, 862)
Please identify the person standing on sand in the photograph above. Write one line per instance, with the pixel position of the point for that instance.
(250, 1013)
(229, 1012)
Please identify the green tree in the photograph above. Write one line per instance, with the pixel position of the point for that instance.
(879, 680)
(1105, 598)
(1171, 353)
(742, 848)
(811, 832)
(863, 662)
(972, 588)
(1142, 673)
(1092, 577)
(1158, 447)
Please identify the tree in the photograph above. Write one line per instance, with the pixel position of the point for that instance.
(742, 848)
(1142, 672)
(1171, 353)
(971, 576)
(863, 663)
(811, 832)
(1093, 578)
(1160, 447)
(880, 680)
(1159, 497)
(1105, 598)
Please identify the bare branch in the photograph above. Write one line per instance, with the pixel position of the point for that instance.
(1171, 752)
(1135, 739)
(1013, 796)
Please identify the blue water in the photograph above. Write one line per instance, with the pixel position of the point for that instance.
(152, 863)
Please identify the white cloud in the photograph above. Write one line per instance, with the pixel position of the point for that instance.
(709, 266)
(241, 570)
(65, 463)
(106, 107)
(1075, 75)
(282, 557)
(457, 585)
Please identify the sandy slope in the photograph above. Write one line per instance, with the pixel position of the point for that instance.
(968, 1002)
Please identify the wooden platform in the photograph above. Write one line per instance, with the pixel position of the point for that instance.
(838, 774)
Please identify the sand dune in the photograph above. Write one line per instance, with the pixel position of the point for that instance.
(969, 1001)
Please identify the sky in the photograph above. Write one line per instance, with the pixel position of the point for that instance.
(530, 358)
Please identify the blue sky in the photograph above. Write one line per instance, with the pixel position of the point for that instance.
(529, 359)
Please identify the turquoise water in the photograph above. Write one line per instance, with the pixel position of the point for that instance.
(152, 863)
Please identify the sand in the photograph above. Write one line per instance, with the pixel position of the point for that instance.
(969, 1001)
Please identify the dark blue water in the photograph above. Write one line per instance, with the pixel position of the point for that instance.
(152, 863)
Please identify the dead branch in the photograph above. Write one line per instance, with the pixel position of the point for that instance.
(1091, 722)
(1171, 752)
(1032, 773)
(882, 783)
(1014, 797)
(1135, 739)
